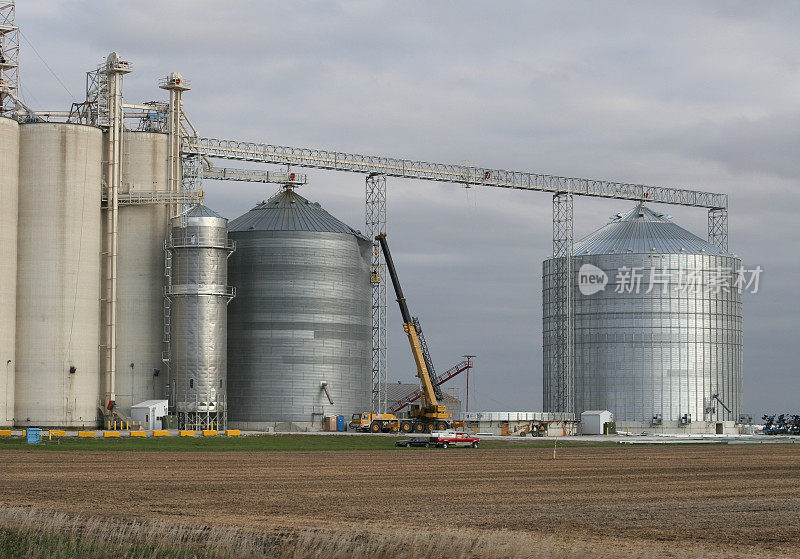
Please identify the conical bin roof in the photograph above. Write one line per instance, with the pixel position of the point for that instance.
(643, 230)
(288, 211)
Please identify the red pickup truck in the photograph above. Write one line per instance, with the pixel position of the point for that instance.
(444, 439)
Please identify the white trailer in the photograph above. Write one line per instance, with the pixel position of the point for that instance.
(149, 413)
(592, 421)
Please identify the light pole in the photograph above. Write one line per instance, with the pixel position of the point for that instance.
(469, 366)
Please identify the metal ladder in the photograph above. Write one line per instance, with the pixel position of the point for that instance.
(165, 355)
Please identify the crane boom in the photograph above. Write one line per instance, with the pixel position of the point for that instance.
(431, 409)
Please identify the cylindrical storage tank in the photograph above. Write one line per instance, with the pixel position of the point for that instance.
(301, 317)
(199, 296)
(9, 171)
(657, 325)
(143, 228)
(58, 275)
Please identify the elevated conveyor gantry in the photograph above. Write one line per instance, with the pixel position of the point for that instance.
(563, 190)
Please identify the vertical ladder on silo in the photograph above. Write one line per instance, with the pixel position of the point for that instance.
(165, 357)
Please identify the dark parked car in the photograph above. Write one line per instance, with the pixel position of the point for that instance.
(414, 441)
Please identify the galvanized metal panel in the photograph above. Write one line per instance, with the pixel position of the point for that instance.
(140, 272)
(58, 275)
(302, 316)
(9, 172)
(199, 294)
(666, 352)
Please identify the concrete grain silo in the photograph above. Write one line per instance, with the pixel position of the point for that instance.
(9, 170)
(143, 229)
(199, 295)
(658, 342)
(58, 275)
(301, 317)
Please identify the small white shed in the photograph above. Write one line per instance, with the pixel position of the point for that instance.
(149, 413)
(592, 421)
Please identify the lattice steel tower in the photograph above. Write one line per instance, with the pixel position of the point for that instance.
(9, 60)
(376, 224)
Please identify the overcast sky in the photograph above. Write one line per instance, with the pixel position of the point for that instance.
(691, 94)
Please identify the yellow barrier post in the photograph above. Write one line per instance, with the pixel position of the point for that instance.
(55, 433)
(209, 432)
(186, 433)
(86, 434)
(109, 434)
(139, 433)
(5, 432)
(233, 433)
(161, 433)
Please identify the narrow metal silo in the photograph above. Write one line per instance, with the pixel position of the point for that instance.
(657, 326)
(9, 172)
(58, 275)
(143, 228)
(299, 343)
(198, 250)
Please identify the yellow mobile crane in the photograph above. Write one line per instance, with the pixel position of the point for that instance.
(431, 415)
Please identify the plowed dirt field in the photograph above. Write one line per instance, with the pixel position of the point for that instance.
(732, 499)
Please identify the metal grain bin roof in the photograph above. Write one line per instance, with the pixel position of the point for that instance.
(643, 230)
(288, 211)
(200, 210)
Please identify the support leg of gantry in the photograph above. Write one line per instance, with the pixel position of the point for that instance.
(562, 395)
(718, 227)
(192, 175)
(376, 224)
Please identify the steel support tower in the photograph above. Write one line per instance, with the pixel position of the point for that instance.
(375, 225)
(9, 60)
(718, 227)
(562, 359)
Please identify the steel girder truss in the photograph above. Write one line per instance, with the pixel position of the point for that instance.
(9, 60)
(562, 361)
(468, 175)
(156, 197)
(254, 175)
(376, 224)
(96, 111)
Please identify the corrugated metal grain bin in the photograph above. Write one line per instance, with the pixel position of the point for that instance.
(302, 315)
(199, 297)
(663, 336)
